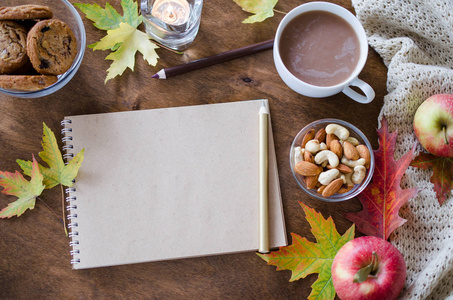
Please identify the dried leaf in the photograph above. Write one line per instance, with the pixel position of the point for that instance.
(26, 191)
(383, 197)
(262, 9)
(442, 177)
(304, 257)
(58, 172)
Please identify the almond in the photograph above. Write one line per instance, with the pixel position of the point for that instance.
(342, 168)
(364, 152)
(321, 135)
(311, 181)
(332, 187)
(345, 189)
(336, 148)
(350, 151)
(321, 189)
(308, 136)
(306, 168)
(309, 157)
(329, 138)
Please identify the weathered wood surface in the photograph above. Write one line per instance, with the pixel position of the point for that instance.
(34, 252)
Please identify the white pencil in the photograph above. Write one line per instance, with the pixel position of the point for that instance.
(263, 179)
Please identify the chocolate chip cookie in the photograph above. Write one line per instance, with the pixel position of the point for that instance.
(26, 82)
(25, 12)
(13, 46)
(51, 47)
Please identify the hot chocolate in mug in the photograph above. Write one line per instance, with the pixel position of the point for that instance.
(319, 50)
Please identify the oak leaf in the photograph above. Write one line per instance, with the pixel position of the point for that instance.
(304, 257)
(262, 9)
(26, 191)
(442, 177)
(383, 197)
(57, 172)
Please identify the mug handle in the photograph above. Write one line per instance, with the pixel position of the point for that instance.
(366, 89)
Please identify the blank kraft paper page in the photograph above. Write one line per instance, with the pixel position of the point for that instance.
(170, 183)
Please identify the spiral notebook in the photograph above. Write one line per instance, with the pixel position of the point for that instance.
(168, 183)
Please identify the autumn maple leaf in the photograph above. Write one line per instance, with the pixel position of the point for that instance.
(383, 197)
(27, 191)
(57, 172)
(128, 41)
(304, 257)
(262, 9)
(442, 177)
(123, 38)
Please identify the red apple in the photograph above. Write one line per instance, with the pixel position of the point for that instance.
(369, 268)
(433, 125)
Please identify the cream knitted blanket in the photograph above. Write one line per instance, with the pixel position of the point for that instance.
(415, 40)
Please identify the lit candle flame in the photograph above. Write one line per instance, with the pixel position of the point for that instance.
(173, 12)
(170, 14)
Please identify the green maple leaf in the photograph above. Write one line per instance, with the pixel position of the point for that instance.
(131, 40)
(262, 9)
(304, 257)
(57, 172)
(109, 18)
(123, 38)
(27, 191)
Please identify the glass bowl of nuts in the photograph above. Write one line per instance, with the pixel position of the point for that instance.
(332, 160)
(42, 44)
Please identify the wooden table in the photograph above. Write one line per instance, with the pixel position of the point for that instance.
(34, 252)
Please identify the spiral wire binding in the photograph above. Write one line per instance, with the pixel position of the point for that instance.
(70, 192)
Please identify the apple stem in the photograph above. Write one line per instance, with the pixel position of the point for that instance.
(444, 129)
(368, 270)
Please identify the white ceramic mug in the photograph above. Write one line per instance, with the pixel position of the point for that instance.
(310, 90)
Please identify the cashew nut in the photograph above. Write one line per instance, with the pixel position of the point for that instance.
(352, 163)
(312, 146)
(348, 178)
(322, 146)
(342, 176)
(298, 155)
(326, 177)
(341, 132)
(353, 141)
(359, 174)
(327, 155)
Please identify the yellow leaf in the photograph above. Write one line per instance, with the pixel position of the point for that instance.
(57, 172)
(131, 40)
(115, 36)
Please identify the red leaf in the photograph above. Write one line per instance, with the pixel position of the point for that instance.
(442, 177)
(383, 197)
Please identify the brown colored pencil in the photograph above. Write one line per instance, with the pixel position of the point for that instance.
(212, 60)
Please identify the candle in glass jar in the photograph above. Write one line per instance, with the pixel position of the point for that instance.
(171, 12)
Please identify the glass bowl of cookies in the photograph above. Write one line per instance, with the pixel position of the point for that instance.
(331, 160)
(42, 43)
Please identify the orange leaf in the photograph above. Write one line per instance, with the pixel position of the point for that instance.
(383, 197)
(26, 191)
(442, 177)
(304, 257)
